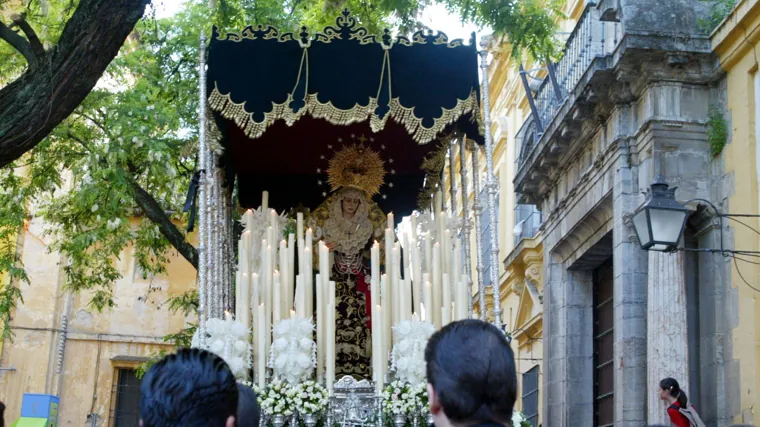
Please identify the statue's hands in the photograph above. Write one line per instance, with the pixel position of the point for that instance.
(330, 246)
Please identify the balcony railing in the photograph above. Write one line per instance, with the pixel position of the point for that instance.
(590, 39)
(527, 222)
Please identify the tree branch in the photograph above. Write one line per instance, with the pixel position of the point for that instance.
(35, 103)
(20, 44)
(31, 36)
(158, 216)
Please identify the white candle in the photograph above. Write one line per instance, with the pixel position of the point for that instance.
(391, 221)
(374, 286)
(320, 321)
(324, 262)
(292, 314)
(417, 267)
(413, 220)
(238, 294)
(276, 298)
(425, 309)
(264, 201)
(446, 312)
(435, 314)
(307, 283)
(284, 270)
(331, 338)
(395, 288)
(291, 270)
(299, 226)
(389, 238)
(461, 302)
(385, 297)
(248, 219)
(375, 346)
(381, 357)
(428, 252)
(261, 353)
(446, 250)
(255, 290)
(244, 300)
(300, 303)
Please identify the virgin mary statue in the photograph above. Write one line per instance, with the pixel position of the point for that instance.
(348, 222)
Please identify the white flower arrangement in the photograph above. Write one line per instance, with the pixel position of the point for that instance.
(293, 355)
(399, 399)
(308, 397)
(274, 399)
(229, 340)
(408, 355)
(519, 420)
(420, 394)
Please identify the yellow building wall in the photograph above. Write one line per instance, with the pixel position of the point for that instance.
(97, 343)
(735, 43)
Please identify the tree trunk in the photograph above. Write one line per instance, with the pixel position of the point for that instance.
(158, 216)
(34, 104)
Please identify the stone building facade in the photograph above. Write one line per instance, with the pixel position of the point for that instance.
(63, 346)
(629, 101)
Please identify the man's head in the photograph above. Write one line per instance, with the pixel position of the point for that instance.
(471, 375)
(190, 388)
(248, 408)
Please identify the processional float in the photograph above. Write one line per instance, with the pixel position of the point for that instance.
(298, 121)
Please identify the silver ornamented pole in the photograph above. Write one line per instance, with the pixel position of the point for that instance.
(215, 244)
(202, 192)
(452, 181)
(476, 211)
(231, 267)
(492, 188)
(465, 221)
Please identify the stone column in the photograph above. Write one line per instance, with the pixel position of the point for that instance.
(629, 299)
(568, 347)
(667, 340)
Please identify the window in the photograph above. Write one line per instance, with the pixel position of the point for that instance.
(604, 335)
(530, 396)
(527, 222)
(125, 399)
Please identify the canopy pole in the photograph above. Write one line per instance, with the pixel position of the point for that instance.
(466, 233)
(202, 195)
(492, 188)
(452, 181)
(477, 210)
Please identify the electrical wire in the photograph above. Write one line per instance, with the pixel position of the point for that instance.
(736, 264)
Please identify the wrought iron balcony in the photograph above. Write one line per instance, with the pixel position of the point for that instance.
(588, 49)
(527, 222)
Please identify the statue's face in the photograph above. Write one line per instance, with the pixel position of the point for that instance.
(350, 205)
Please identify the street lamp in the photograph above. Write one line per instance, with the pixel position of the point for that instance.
(660, 221)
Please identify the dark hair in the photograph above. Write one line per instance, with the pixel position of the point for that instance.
(2, 414)
(248, 411)
(672, 387)
(191, 388)
(472, 370)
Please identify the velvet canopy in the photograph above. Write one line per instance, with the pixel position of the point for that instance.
(284, 103)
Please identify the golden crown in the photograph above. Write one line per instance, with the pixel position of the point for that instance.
(357, 166)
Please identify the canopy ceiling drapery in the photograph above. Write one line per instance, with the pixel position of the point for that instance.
(284, 103)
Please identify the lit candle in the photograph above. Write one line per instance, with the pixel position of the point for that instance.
(299, 226)
(331, 337)
(261, 354)
(291, 270)
(391, 221)
(434, 313)
(446, 308)
(413, 220)
(243, 300)
(389, 238)
(395, 288)
(385, 296)
(374, 286)
(292, 314)
(417, 267)
(424, 310)
(248, 219)
(377, 351)
(284, 270)
(321, 320)
(276, 299)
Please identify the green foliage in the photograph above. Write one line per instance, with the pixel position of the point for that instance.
(138, 127)
(717, 12)
(717, 131)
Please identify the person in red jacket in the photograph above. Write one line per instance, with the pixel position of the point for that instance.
(681, 413)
